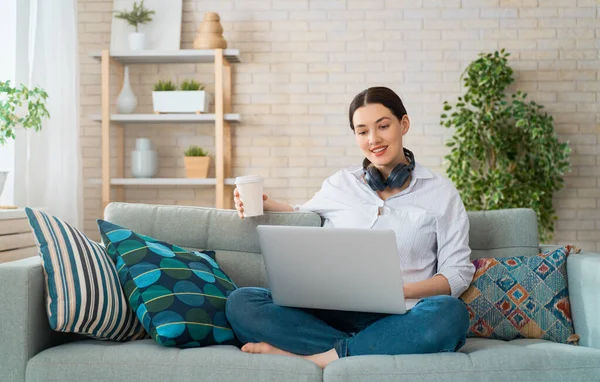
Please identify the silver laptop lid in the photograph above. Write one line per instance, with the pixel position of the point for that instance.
(333, 268)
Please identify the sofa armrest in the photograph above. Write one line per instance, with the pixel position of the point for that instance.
(24, 327)
(583, 272)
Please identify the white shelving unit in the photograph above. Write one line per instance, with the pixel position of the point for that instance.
(164, 181)
(183, 56)
(166, 118)
(221, 118)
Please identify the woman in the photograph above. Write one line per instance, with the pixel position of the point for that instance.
(390, 191)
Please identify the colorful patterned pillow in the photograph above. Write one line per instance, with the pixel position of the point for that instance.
(179, 296)
(521, 297)
(83, 293)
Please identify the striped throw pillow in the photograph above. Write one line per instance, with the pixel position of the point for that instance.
(83, 292)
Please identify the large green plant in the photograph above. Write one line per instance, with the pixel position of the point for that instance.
(505, 152)
(11, 115)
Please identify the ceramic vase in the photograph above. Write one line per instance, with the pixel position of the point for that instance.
(210, 33)
(144, 160)
(126, 101)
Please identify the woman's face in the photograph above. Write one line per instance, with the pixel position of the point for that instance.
(379, 135)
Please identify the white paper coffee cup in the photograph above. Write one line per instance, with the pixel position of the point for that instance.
(250, 188)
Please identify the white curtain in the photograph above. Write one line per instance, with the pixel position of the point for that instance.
(52, 158)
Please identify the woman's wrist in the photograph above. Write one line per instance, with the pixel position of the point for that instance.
(437, 285)
(407, 291)
(271, 205)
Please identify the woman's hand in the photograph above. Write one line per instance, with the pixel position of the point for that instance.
(239, 205)
(435, 286)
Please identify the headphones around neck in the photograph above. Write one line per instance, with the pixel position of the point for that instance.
(397, 177)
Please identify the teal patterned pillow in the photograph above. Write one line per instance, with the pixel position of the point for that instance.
(521, 297)
(178, 296)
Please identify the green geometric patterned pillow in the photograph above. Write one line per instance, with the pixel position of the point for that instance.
(521, 297)
(178, 296)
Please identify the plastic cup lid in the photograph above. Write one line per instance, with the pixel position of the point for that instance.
(248, 179)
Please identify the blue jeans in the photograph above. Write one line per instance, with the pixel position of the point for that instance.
(435, 324)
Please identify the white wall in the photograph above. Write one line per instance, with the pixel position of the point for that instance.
(302, 61)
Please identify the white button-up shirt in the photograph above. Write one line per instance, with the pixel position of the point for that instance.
(428, 217)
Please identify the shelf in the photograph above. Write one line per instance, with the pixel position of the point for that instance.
(221, 59)
(183, 56)
(165, 118)
(164, 181)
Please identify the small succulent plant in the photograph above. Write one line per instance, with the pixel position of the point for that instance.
(139, 15)
(195, 151)
(164, 86)
(191, 85)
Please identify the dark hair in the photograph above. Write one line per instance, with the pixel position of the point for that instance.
(378, 94)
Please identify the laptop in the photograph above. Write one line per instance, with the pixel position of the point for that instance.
(350, 269)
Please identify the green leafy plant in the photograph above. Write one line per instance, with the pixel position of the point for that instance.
(11, 117)
(505, 152)
(195, 151)
(191, 85)
(164, 86)
(139, 15)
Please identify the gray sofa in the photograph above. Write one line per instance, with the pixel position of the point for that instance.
(30, 351)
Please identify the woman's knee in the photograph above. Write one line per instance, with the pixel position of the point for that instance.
(451, 309)
(453, 319)
(243, 303)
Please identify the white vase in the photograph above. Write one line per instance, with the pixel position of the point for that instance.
(144, 160)
(126, 101)
(137, 41)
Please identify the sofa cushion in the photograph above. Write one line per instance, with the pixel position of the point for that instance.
(521, 297)
(478, 360)
(192, 227)
(179, 296)
(83, 292)
(144, 360)
(503, 233)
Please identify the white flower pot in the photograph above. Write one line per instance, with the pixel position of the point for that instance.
(180, 101)
(136, 41)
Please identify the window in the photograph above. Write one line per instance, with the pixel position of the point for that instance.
(8, 35)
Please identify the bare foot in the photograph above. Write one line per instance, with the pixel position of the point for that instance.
(321, 359)
(264, 348)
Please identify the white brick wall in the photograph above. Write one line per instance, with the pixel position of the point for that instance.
(304, 60)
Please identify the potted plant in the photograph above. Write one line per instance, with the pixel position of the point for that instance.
(139, 15)
(191, 98)
(196, 162)
(504, 152)
(20, 107)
